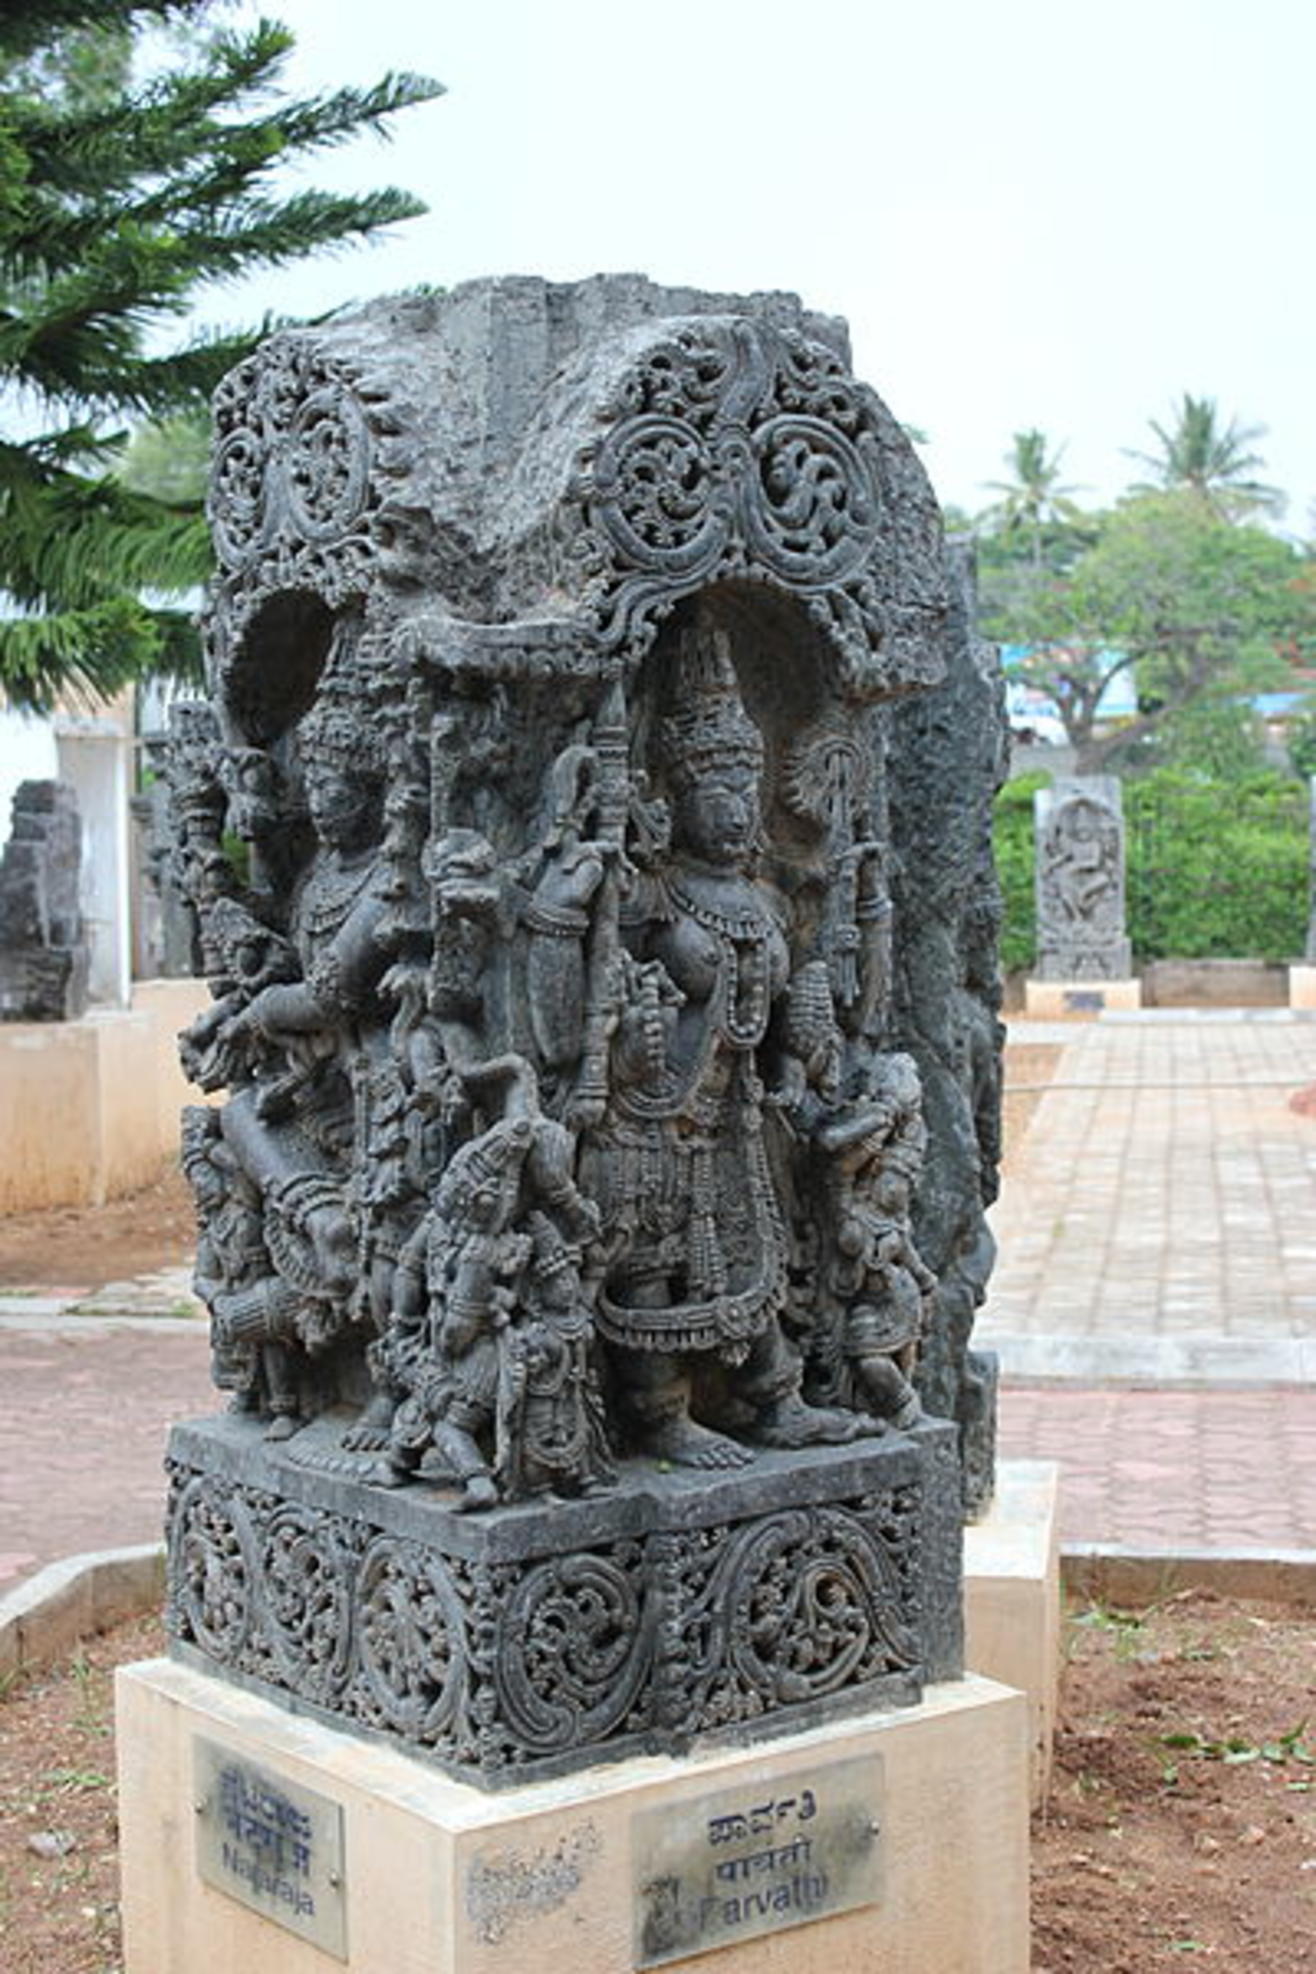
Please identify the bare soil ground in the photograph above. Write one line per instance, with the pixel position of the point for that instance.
(59, 1859)
(84, 1247)
(1181, 1825)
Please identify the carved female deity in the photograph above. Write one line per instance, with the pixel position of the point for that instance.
(697, 1279)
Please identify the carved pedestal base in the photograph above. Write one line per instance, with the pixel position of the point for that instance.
(1302, 986)
(539, 1639)
(1045, 999)
(1012, 1598)
(896, 1843)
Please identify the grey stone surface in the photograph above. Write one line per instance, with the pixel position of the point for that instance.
(523, 1643)
(44, 956)
(605, 991)
(949, 753)
(168, 932)
(1080, 880)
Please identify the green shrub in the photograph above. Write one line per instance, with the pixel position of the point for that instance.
(1216, 869)
(1013, 840)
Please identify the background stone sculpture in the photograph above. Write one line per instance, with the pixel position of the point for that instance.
(44, 956)
(593, 1129)
(1080, 881)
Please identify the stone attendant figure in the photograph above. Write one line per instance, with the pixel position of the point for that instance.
(291, 1127)
(874, 1274)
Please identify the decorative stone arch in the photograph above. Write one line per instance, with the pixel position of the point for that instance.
(534, 503)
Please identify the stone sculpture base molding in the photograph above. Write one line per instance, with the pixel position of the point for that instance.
(1012, 1597)
(1045, 1000)
(549, 1636)
(1302, 986)
(438, 1875)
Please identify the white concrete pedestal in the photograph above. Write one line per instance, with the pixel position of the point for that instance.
(1046, 1000)
(1302, 986)
(440, 1878)
(1012, 1597)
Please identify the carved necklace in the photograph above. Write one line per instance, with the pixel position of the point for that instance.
(745, 983)
(330, 894)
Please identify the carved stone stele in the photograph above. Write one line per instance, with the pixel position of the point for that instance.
(605, 1001)
(44, 954)
(1080, 880)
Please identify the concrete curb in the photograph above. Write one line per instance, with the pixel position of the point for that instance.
(1125, 1362)
(1109, 1574)
(49, 1612)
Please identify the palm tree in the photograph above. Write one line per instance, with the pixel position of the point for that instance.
(1033, 498)
(1199, 455)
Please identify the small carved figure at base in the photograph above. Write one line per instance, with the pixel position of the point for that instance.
(880, 1343)
(255, 1346)
(551, 1434)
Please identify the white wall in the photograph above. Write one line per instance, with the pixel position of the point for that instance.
(27, 753)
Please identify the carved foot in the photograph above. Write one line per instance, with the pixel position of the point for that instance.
(790, 1423)
(684, 1444)
(283, 1426)
(908, 1414)
(477, 1494)
(370, 1432)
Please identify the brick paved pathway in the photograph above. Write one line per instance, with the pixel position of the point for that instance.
(84, 1414)
(1173, 1470)
(1165, 1188)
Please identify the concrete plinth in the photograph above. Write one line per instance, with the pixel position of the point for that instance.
(91, 1106)
(1046, 1000)
(1302, 986)
(1012, 1597)
(436, 1877)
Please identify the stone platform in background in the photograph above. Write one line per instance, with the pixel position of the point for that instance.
(1302, 986)
(1044, 1000)
(1012, 1597)
(892, 1844)
(544, 1637)
(91, 1107)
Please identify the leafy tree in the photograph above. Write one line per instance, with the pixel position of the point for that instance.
(169, 460)
(118, 200)
(1195, 605)
(1033, 499)
(1217, 869)
(1198, 454)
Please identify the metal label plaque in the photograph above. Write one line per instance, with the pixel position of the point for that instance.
(271, 1844)
(732, 1865)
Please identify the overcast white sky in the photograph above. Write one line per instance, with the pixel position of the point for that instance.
(1032, 212)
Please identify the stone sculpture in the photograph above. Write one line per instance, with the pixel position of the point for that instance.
(44, 955)
(560, 1227)
(1080, 881)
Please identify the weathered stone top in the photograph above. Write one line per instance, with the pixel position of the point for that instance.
(524, 477)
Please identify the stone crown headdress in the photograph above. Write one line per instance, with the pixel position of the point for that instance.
(344, 733)
(708, 725)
